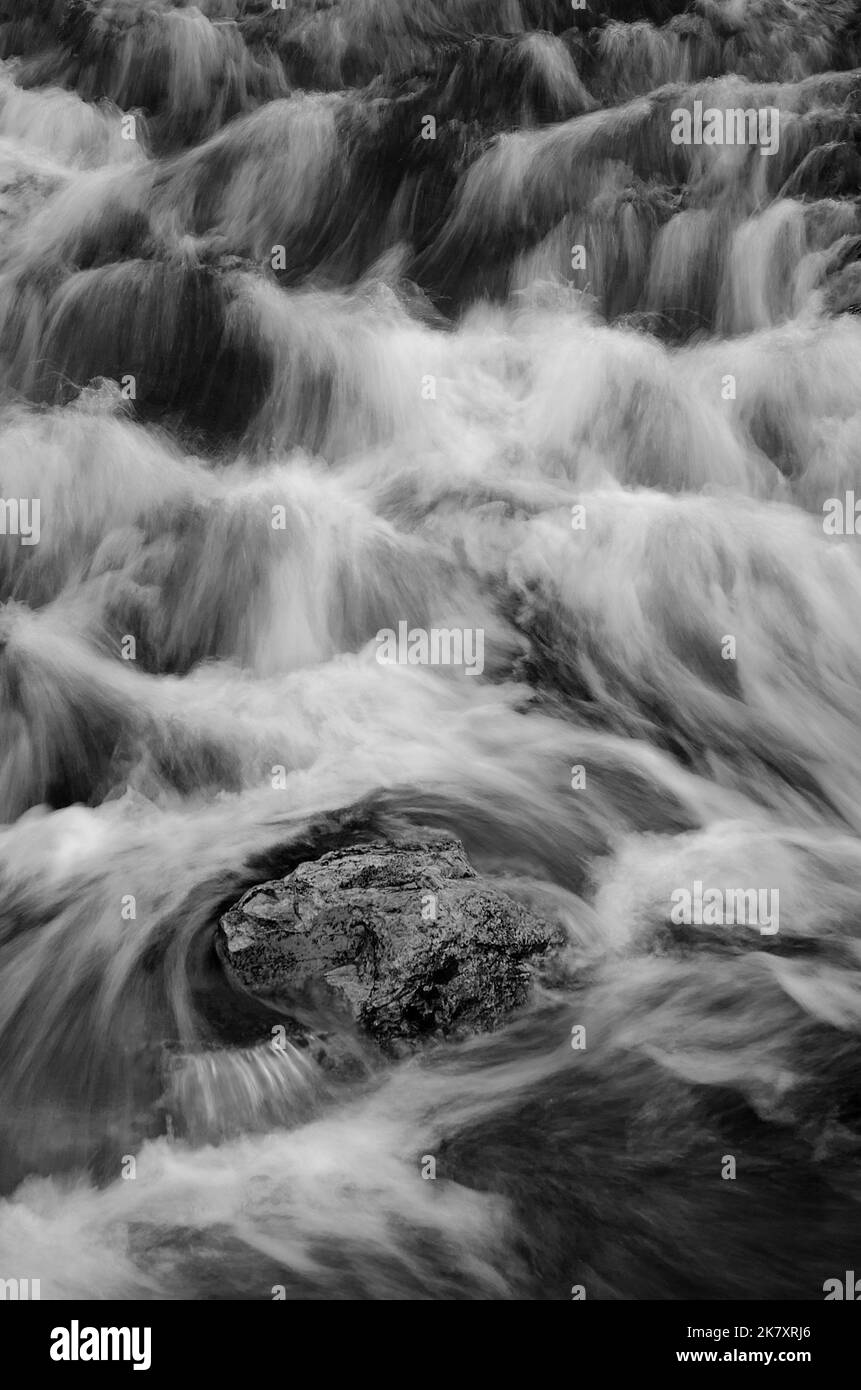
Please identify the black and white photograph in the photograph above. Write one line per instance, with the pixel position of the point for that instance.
(430, 663)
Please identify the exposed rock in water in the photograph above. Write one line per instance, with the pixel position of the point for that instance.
(406, 937)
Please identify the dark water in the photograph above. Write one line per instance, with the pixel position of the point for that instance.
(426, 385)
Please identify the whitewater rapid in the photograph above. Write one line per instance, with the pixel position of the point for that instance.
(251, 472)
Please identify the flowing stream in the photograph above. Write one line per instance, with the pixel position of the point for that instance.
(284, 364)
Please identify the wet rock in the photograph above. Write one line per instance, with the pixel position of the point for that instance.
(844, 291)
(405, 938)
(843, 276)
(831, 170)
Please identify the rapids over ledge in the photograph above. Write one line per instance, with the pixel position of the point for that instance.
(421, 387)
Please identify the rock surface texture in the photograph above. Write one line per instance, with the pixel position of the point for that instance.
(407, 937)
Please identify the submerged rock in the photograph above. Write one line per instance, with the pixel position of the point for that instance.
(405, 937)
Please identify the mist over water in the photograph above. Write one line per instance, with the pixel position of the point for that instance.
(282, 373)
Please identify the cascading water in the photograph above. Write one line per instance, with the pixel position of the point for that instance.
(285, 363)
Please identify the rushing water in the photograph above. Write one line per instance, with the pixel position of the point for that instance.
(426, 386)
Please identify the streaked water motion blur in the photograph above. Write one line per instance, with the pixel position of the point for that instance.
(284, 365)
